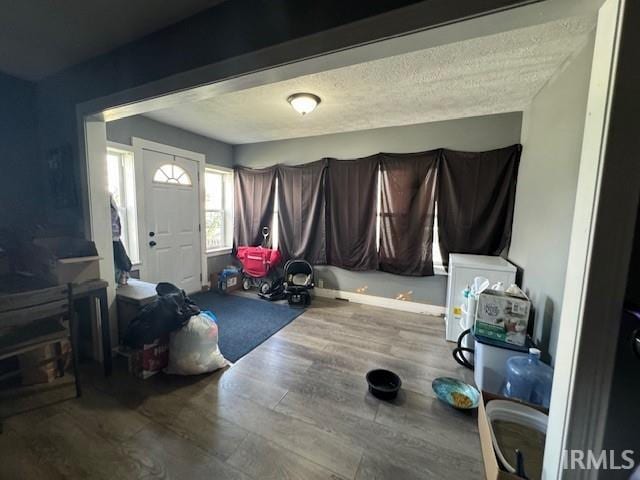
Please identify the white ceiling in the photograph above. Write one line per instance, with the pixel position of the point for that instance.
(493, 74)
(41, 37)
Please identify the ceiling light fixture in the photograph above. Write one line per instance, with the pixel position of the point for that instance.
(304, 103)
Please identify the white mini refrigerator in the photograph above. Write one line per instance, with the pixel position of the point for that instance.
(463, 268)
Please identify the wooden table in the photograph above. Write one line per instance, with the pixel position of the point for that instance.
(87, 292)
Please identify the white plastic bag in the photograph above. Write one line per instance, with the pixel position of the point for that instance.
(194, 348)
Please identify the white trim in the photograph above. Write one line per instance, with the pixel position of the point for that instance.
(93, 143)
(140, 144)
(138, 168)
(218, 169)
(228, 184)
(595, 279)
(120, 146)
(392, 303)
(438, 269)
(125, 149)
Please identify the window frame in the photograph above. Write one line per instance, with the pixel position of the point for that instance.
(173, 180)
(438, 264)
(438, 261)
(129, 198)
(227, 180)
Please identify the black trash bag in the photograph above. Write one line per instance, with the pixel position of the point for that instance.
(167, 313)
(166, 288)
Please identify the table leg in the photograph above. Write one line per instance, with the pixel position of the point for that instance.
(73, 331)
(73, 327)
(106, 332)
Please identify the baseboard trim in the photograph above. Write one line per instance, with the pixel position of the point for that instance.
(402, 305)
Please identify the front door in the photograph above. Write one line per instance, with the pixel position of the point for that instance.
(172, 212)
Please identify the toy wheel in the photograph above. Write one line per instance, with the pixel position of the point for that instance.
(246, 284)
(265, 287)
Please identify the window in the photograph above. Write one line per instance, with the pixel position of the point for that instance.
(218, 186)
(438, 267)
(171, 173)
(122, 185)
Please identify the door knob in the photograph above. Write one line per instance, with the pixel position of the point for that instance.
(152, 234)
(152, 243)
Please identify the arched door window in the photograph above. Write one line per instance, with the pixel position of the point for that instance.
(171, 173)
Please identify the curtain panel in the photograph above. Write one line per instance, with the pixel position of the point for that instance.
(408, 187)
(254, 198)
(351, 198)
(476, 197)
(301, 215)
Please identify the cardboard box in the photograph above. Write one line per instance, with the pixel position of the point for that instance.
(150, 359)
(492, 468)
(226, 282)
(232, 282)
(503, 317)
(45, 364)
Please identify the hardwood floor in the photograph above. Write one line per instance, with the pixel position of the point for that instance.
(296, 407)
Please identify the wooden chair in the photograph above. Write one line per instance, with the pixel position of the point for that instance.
(35, 319)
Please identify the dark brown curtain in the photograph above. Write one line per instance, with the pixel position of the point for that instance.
(301, 217)
(476, 195)
(351, 213)
(253, 204)
(407, 212)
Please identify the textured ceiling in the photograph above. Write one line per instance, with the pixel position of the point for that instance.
(41, 37)
(487, 75)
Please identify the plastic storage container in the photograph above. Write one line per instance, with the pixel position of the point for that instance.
(490, 362)
(529, 379)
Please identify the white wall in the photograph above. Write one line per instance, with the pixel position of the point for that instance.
(474, 134)
(216, 152)
(478, 133)
(552, 129)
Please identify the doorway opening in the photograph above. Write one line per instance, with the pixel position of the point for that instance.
(170, 185)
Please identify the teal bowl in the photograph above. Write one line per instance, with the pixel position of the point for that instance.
(448, 389)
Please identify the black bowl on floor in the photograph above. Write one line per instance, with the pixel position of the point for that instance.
(383, 384)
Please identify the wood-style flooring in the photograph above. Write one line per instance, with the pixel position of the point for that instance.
(296, 407)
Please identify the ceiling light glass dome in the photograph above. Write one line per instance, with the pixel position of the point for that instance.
(304, 103)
